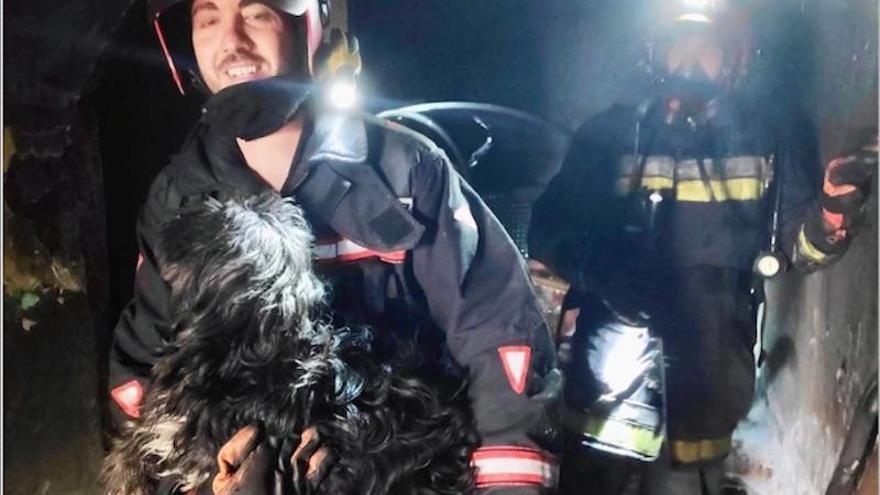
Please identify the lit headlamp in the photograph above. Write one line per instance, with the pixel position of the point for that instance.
(698, 11)
(769, 264)
(339, 71)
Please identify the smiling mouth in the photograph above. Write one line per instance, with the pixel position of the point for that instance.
(241, 71)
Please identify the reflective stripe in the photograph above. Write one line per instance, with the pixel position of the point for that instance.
(693, 451)
(513, 466)
(516, 360)
(742, 189)
(347, 250)
(738, 178)
(807, 249)
(617, 435)
(128, 396)
(654, 166)
(735, 167)
(730, 189)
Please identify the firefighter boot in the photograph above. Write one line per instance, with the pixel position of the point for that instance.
(662, 478)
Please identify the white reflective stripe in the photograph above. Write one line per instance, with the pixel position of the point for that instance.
(337, 249)
(514, 466)
(734, 167)
(506, 468)
(347, 246)
(348, 250)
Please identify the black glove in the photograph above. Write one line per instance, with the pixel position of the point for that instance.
(255, 109)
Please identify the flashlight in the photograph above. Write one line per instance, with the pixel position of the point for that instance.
(340, 71)
(696, 11)
(696, 4)
(342, 94)
(769, 264)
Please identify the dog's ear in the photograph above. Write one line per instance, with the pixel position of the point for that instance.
(190, 236)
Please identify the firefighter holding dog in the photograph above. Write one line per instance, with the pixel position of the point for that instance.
(403, 240)
(657, 219)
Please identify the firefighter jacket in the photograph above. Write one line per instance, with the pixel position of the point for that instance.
(685, 208)
(403, 241)
(715, 190)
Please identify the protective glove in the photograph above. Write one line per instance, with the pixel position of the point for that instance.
(243, 463)
(846, 187)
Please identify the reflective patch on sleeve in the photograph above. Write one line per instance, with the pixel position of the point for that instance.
(806, 248)
(516, 361)
(128, 396)
(512, 465)
(346, 250)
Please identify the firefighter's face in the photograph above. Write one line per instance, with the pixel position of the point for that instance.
(240, 40)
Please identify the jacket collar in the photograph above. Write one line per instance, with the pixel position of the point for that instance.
(331, 179)
(336, 136)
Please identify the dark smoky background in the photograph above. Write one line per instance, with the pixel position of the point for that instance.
(91, 115)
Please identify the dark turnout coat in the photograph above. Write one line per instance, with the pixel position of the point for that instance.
(405, 244)
(686, 213)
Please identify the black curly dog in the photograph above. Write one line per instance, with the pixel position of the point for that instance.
(252, 348)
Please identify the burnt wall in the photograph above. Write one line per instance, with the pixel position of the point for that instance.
(822, 327)
(55, 270)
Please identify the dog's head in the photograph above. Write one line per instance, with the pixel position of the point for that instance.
(244, 263)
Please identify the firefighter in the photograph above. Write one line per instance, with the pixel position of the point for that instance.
(656, 219)
(403, 241)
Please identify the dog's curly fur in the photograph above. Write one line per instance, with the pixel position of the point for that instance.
(251, 348)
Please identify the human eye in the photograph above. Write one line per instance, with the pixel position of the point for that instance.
(259, 14)
(205, 19)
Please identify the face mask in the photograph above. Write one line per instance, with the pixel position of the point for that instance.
(257, 108)
(691, 85)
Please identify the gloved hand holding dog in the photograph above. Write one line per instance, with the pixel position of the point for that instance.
(247, 465)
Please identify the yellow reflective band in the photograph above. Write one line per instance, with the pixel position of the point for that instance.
(742, 189)
(807, 249)
(622, 434)
(695, 191)
(693, 451)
